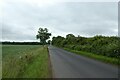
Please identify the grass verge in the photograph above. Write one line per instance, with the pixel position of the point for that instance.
(39, 68)
(105, 59)
(25, 61)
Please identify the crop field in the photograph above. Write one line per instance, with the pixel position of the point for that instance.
(25, 61)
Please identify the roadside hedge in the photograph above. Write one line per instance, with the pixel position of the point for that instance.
(101, 45)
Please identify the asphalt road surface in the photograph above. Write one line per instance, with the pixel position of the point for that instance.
(69, 65)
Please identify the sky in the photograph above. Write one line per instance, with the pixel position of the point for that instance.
(21, 19)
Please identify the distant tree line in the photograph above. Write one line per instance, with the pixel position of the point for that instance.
(101, 45)
(21, 43)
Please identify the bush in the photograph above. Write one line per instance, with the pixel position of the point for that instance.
(77, 47)
(101, 45)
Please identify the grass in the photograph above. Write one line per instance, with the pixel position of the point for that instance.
(105, 59)
(25, 61)
(0, 61)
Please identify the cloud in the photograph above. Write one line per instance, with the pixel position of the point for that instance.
(22, 18)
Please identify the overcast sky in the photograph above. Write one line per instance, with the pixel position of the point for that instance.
(22, 18)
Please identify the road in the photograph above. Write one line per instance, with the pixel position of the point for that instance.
(69, 65)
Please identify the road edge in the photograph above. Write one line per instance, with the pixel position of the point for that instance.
(50, 65)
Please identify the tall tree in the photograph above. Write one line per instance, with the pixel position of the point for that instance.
(70, 38)
(43, 35)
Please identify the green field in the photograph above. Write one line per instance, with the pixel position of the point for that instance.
(0, 61)
(25, 61)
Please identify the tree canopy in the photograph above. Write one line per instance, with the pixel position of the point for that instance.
(43, 35)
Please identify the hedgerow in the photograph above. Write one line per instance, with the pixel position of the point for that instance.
(101, 45)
